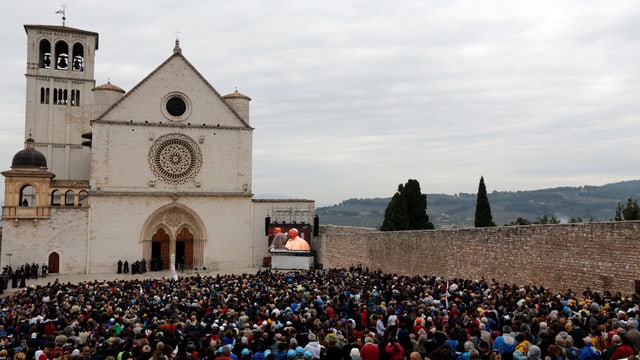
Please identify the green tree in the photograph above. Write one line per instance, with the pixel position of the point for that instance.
(521, 221)
(545, 219)
(396, 216)
(629, 212)
(483, 209)
(407, 209)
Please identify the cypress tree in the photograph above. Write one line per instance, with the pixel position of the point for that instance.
(483, 209)
(407, 209)
(396, 216)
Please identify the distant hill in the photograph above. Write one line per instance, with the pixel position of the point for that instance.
(590, 203)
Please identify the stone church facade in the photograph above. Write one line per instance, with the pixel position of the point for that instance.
(162, 172)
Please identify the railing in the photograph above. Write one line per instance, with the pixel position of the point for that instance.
(26, 212)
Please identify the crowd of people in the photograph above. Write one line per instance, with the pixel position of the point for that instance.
(353, 313)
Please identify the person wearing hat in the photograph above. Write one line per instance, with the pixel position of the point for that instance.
(225, 353)
(291, 354)
(245, 354)
(295, 242)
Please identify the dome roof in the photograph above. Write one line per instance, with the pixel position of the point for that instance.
(29, 157)
(109, 86)
(236, 95)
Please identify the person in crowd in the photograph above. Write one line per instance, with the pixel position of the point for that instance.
(279, 241)
(505, 342)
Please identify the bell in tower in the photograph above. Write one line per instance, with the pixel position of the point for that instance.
(62, 61)
(46, 61)
(77, 64)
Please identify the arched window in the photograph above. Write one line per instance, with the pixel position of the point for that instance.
(83, 198)
(69, 198)
(78, 57)
(62, 55)
(27, 196)
(55, 198)
(45, 54)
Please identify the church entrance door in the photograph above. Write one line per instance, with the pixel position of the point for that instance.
(160, 250)
(184, 247)
(174, 233)
(54, 263)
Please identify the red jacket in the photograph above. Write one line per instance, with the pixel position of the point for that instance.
(623, 351)
(396, 351)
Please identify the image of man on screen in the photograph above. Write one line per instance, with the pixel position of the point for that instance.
(295, 242)
(279, 240)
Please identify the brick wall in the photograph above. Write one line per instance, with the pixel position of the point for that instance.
(604, 256)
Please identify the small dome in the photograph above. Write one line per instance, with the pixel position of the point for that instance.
(236, 95)
(109, 86)
(29, 157)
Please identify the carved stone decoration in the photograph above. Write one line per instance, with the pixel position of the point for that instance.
(174, 219)
(175, 158)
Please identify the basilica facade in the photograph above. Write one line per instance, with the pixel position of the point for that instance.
(162, 172)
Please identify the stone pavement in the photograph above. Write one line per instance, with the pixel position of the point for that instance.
(79, 278)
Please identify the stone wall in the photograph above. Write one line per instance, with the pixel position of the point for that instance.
(604, 256)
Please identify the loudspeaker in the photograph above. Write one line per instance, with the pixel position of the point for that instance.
(316, 225)
(267, 222)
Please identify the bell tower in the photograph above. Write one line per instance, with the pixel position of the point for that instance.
(60, 77)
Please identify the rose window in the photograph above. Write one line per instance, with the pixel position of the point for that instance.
(175, 158)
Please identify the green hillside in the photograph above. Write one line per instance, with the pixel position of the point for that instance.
(597, 203)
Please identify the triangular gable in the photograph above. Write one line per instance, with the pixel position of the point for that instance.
(209, 106)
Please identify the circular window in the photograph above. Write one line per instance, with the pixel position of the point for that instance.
(175, 158)
(176, 106)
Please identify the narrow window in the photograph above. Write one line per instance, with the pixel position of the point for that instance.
(78, 57)
(45, 54)
(46, 98)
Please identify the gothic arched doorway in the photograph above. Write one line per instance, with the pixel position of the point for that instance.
(54, 263)
(174, 233)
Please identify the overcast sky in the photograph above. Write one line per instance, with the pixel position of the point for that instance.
(352, 98)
